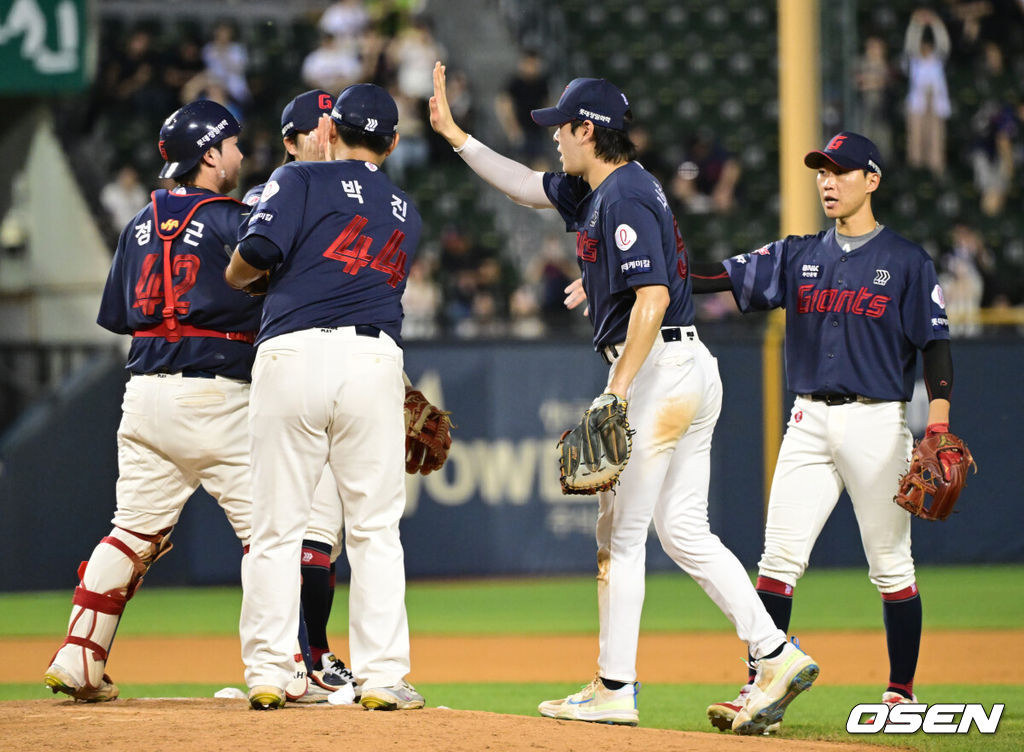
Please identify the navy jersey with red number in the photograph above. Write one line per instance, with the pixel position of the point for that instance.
(343, 236)
(626, 237)
(854, 320)
(133, 298)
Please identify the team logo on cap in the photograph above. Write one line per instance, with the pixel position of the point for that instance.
(163, 151)
(835, 143)
(371, 125)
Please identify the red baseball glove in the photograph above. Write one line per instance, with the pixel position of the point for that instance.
(427, 434)
(938, 468)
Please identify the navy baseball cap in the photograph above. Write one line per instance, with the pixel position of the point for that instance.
(848, 150)
(366, 107)
(303, 112)
(593, 99)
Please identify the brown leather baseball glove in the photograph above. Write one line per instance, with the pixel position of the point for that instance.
(427, 434)
(938, 468)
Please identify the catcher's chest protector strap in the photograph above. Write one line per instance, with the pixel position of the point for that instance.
(167, 230)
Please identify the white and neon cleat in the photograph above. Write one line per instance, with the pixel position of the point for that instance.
(595, 703)
(265, 697)
(59, 679)
(778, 682)
(401, 696)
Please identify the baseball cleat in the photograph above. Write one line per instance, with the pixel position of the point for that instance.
(721, 714)
(314, 694)
(59, 680)
(401, 696)
(895, 698)
(265, 697)
(595, 703)
(779, 680)
(333, 676)
(298, 685)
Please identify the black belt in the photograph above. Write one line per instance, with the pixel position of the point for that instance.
(840, 399)
(668, 334)
(361, 330)
(187, 373)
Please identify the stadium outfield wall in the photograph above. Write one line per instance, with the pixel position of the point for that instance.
(496, 508)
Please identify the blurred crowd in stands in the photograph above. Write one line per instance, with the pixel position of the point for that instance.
(465, 283)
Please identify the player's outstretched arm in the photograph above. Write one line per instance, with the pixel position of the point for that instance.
(441, 119)
(709, 277)
(515, 180)
(315, 147)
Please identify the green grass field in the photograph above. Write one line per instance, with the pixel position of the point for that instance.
(954, 598)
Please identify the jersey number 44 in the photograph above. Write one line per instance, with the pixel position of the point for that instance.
(353, 250)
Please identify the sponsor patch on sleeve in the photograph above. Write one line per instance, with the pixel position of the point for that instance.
(625, 236)
(261, 218)
(635, 265)
(938, 297)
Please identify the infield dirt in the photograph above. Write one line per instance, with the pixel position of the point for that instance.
(198, 725)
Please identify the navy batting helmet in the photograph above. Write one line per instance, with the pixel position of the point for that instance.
(190, 131)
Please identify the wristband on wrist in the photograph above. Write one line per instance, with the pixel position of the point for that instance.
(457, 149)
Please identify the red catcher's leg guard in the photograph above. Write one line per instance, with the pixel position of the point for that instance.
(108, 581)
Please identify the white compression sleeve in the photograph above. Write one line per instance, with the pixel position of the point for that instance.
(515, 180)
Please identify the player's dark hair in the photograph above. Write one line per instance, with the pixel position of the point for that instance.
(189, 178)
(611, 145)
(288, 156)
(378, 143)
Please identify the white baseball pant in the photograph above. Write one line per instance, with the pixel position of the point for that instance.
(674, 403)
(863, 447)
(327, 395)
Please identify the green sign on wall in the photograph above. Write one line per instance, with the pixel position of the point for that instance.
(44, 46)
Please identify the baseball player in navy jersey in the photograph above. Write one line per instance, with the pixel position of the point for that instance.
(337, 237)
(860, 302)
(635, 275)
(184, 420)
(321, 541)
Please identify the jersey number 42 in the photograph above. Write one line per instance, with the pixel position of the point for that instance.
(353, 250)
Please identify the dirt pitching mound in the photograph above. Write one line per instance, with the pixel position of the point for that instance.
(201, 725)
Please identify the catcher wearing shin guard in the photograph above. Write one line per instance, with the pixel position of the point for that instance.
(186, 403)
